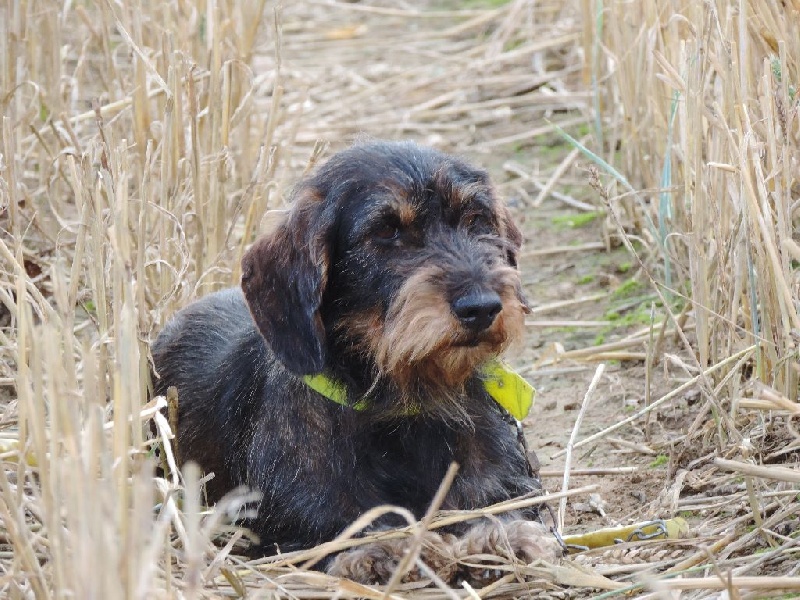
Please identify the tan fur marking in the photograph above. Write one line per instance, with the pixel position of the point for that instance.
(400, 203)
(363, 331)
(406, 212)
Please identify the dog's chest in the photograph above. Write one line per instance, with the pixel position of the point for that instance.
(405, 464)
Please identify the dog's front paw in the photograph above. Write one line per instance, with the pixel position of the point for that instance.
(486, 549)
(531, 541)
(524, 540)
(370, 564)
(375, 563)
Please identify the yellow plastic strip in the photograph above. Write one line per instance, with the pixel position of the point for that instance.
(509, 389)
(651, 530)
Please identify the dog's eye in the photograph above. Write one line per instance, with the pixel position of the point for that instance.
(387, 232)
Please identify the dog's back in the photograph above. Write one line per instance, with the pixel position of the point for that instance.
(212, 349)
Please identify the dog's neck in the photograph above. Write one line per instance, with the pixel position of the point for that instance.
(363, 380)
(422, 389)
(384, 397)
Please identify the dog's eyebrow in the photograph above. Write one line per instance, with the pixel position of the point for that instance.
(458, 195)
(402, 209)
(468, 199)
(383, 208)
(473, 193)
(392, 198)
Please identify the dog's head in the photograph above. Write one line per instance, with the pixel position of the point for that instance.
(394, 254)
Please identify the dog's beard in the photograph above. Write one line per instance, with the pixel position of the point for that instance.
(425, 352)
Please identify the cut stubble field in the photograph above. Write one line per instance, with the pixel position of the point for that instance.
(649, 153)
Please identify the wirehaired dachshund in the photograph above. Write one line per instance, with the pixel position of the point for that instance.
(349, 371)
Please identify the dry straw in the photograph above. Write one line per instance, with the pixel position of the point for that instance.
(703, 100)
(702, 141)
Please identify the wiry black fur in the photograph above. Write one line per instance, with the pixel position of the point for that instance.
(245, 412)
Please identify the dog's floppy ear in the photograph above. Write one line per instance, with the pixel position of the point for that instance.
(283, 279)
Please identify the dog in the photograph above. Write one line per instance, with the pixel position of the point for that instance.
(350, 370)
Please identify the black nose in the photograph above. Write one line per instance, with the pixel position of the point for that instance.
(477, 310)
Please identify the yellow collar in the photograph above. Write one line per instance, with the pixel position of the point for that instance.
(507, 388)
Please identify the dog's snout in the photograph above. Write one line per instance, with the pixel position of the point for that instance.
(477, 310)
